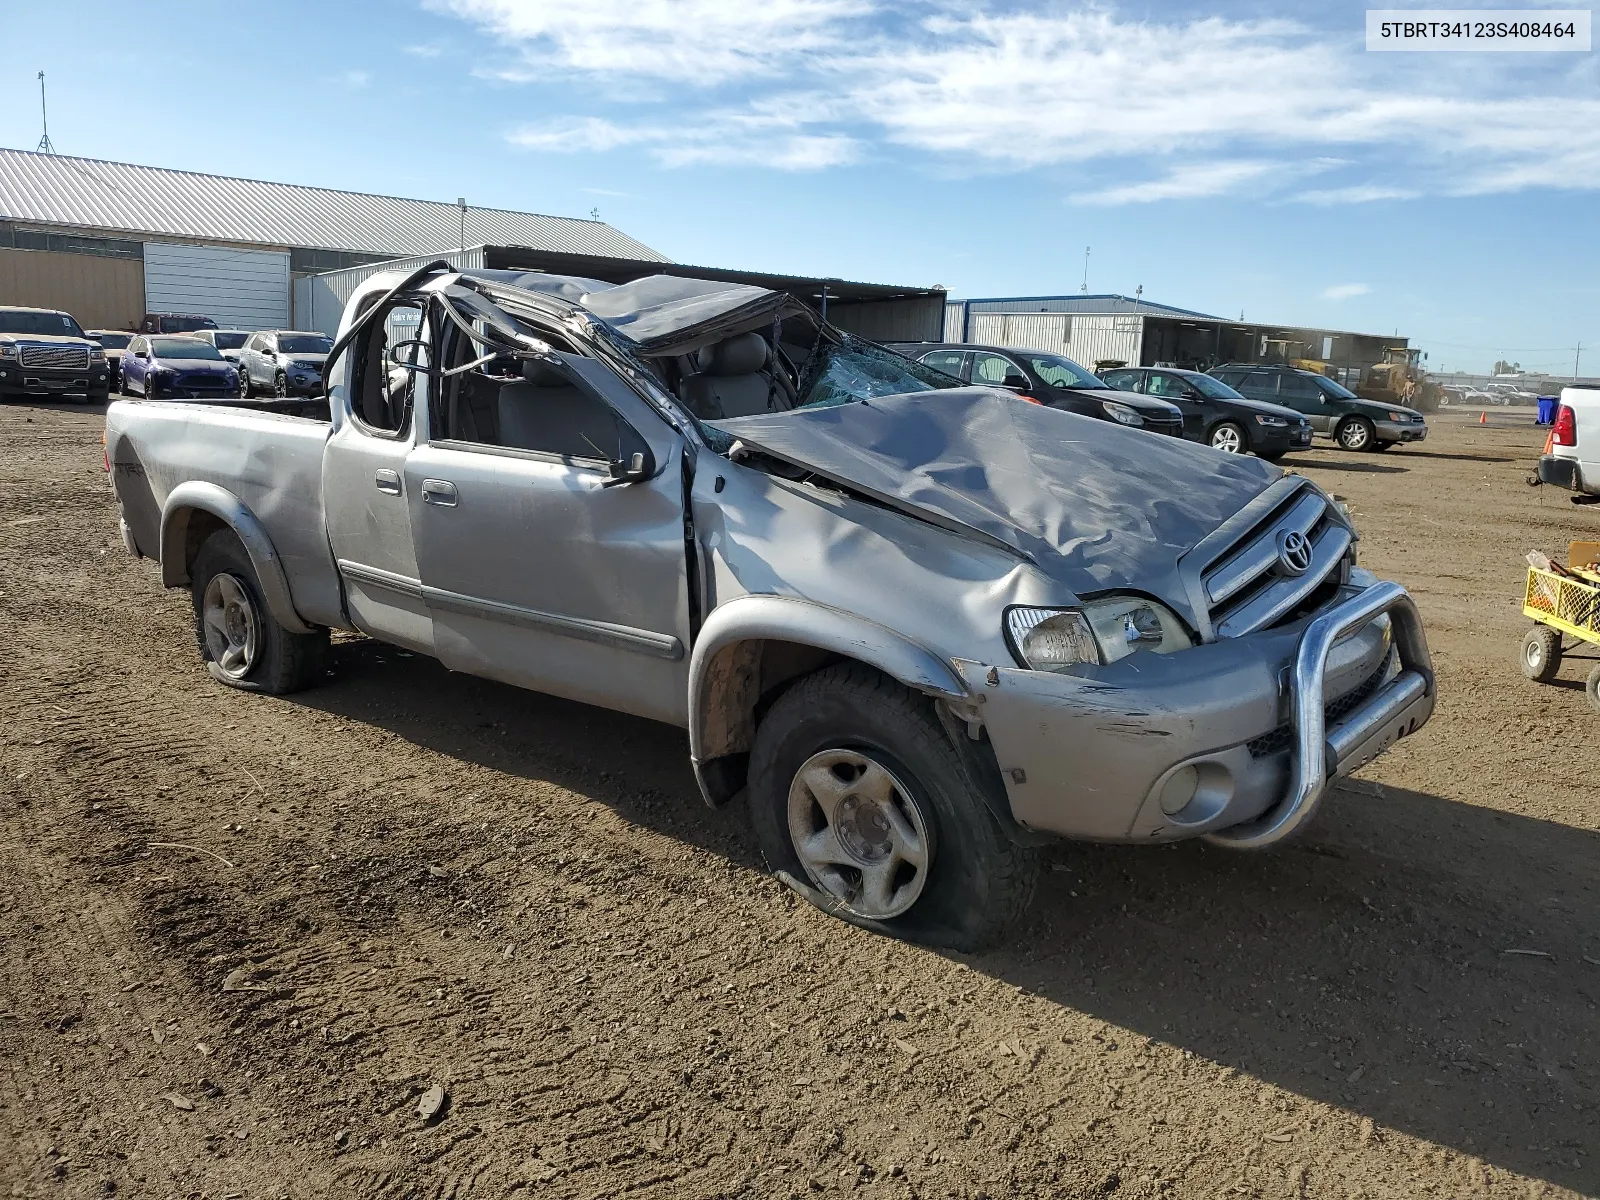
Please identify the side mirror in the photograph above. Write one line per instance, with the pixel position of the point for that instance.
(393, 362)
(1015, 380)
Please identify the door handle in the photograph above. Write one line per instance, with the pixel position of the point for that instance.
(388, 482)
(439, 491)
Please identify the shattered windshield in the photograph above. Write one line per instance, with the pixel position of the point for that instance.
(860, 370)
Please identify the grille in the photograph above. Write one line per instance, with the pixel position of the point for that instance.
(1249, 587)
(201, 383)
(65, 358)
(1282, 737)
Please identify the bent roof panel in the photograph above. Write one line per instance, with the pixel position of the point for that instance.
(54, 189)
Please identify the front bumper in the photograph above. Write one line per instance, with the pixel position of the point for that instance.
(95, 380)
(1401, 431)
(1257, 725)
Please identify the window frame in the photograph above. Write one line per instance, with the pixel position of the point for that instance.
(972, 369)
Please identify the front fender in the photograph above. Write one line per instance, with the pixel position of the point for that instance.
(724, 668)
(189, 498)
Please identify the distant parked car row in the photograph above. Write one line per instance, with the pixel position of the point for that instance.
(221, 363)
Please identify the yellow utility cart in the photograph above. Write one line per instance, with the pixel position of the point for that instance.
(1565, 605)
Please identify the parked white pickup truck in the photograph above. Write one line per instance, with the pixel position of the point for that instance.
(1574, 458)
(922, 626)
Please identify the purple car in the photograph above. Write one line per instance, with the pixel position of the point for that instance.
(163, 367)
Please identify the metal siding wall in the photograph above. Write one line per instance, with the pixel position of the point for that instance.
(238, 289)
(319, 300)
(910, 319)
(955, 318)
(100, 292)
(1100, 337)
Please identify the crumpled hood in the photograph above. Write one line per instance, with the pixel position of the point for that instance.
(1094, 505)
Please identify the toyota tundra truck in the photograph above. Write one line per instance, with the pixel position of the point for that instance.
(919, 628)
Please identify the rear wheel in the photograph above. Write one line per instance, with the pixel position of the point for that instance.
(1541, 654)
(240, 642)
(1356, 433)
(857, 793)
(1229, 438)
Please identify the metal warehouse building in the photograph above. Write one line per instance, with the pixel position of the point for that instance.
(1092, 329)
(110, 241)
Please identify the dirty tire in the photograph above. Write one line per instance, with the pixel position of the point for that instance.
(1356, 433)
(1541, 654)
(978, 882)
(1591, 688)
(283, 661)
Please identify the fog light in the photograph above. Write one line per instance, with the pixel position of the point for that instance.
(1179, 790)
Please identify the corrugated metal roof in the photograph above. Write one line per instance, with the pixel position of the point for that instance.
(1109, 302)
(88, 193)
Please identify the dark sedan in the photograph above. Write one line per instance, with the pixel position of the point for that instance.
(1216, 415)
(176, 368)
(114, 342)
(1049, 379)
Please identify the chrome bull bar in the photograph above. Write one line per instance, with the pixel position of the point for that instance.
(1396, 709)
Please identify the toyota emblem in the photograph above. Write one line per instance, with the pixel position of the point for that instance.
(1294, 552)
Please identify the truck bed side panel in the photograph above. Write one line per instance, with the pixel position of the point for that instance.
(272, 463)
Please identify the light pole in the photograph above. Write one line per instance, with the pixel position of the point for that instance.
(461, 203)
(1085, 288)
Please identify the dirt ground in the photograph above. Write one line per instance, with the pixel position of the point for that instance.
(243, 937)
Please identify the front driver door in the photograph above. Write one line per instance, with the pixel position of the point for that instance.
(1176, 390)
(1301, 393)
(538, 569)
(364, 492)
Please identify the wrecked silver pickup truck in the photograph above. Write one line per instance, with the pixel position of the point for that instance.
(923, 626)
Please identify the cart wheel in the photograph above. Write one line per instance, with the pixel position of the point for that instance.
(1592, 689)
(1541, 654)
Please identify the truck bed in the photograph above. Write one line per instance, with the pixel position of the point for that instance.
(271, 462)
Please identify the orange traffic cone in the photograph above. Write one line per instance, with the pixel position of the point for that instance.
(1483, 418)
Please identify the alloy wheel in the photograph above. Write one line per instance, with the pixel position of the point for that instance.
(859, 833)
(232, 625)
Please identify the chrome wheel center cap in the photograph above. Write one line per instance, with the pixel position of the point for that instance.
(864, 830)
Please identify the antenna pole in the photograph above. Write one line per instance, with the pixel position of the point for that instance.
(1085, 288)
(461, 203)
(45, 146)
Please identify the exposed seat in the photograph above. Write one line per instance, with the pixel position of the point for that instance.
(548, 413)
(731, 381)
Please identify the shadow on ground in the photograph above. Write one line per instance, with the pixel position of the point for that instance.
(1427, 963)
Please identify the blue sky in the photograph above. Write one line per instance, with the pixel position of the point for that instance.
(1234, 158)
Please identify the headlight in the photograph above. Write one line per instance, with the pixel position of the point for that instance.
(96, 355)
(1270, 422)
(7, 351)
(1394, 416)
(1102, 631)
(1121, 413)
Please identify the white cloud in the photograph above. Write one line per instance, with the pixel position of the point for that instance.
(718, 139)
(355, 79)
(697, 42)
(1345, 291)
(424, 50)
(1364, 193)
(1182, 183)
(1148, 109)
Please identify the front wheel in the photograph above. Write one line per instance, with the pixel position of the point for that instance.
(1229, 438)
(244, 384)
(856, 791)
(280, 385)
(1541, 654)
(240, 642)
(1356, 433)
